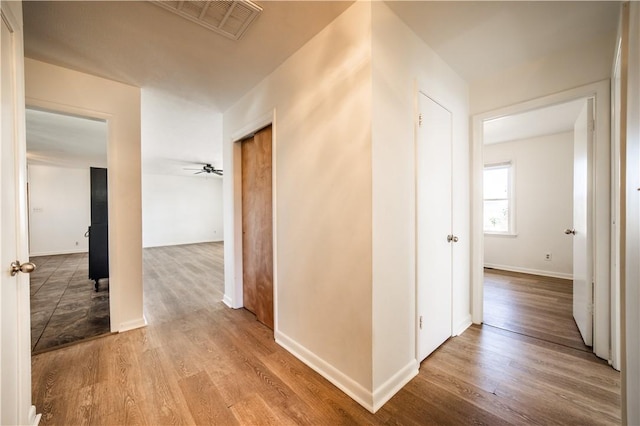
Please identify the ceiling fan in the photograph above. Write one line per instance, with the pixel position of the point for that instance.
(207, 168)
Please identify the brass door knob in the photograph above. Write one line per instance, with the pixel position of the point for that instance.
(26, 267)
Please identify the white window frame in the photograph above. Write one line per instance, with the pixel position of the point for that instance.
(511, 199)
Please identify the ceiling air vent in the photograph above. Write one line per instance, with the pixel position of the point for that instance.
(229, 18)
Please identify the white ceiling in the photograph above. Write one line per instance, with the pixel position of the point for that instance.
(139, 43)
(179, 64)
(65, 140)
(142, 44)
(480, 38)
(544, 121)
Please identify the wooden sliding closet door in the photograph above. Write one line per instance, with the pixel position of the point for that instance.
(257, 226)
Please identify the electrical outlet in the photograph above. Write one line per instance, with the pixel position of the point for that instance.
(547, 256)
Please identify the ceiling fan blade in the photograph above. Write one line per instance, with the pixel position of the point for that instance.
(206, 168)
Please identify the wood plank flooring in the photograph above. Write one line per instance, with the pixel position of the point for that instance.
(182, 279)
(64, 306)
(215, 365)
(532, 305)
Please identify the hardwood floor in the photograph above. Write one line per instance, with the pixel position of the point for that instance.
(532, 305)
(215, 365)
(64, 306)
(182, 279)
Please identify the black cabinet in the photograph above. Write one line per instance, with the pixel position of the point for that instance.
(99, 229)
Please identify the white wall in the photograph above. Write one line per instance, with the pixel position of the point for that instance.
(59, 210)
(344, 196)
(403, 64)
(543, 206)
(560, 71)
(322, 199)
(63, 90)
(181, 209)
(178, 133)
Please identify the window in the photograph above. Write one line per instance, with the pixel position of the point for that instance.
(498, 198)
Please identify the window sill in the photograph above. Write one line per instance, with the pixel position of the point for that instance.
(500, 234)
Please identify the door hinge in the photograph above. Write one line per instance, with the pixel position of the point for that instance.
(593, 125)
(420, 120)
(420, 322)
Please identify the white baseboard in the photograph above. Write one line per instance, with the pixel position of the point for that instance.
(540, 272)
(462, 325)
(181, 243)
(343, 382)
(227, 301)
(133, 324)
(389, 388)
(34, 418)
(371, 401)
(57, 252)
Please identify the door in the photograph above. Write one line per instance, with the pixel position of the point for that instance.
(15, 353)
(434, 238)
(99, 229)
(257, 226)
(581, 232)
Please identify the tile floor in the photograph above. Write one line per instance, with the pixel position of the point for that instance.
(64, 306)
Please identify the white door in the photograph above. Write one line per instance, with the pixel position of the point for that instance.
(15, 353)
(433, 203)
(581, 232)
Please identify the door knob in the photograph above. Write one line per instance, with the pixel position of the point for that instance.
(26, 267)
(452, 238)
(570, 231)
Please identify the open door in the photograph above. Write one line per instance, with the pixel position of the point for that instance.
(581, 232)
(15, 345)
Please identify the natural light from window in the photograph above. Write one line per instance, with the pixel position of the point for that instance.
(497, 198)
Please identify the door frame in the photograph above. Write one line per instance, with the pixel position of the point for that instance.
(55, 108)
(234, 298)
(601, 188)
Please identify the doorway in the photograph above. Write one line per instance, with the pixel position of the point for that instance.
(182, 242)
(66, 305)
(529, 186)
(599, 188)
